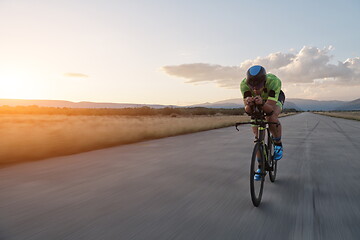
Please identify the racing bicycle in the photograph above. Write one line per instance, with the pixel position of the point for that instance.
(263, 154)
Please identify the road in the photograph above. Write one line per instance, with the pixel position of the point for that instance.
(194, 186)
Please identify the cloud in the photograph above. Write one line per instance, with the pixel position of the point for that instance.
(76, 75)
(310, 65)
(202, 72)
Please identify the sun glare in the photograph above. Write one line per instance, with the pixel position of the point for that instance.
(15, 85)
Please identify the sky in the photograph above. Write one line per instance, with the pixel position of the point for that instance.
(176, 52)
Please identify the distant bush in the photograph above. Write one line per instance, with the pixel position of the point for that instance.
(289, 110)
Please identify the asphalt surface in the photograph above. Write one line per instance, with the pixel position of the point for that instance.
(194, 186)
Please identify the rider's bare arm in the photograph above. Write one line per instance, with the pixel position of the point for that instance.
(269, 106)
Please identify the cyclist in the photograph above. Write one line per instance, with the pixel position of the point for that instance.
(264, 89)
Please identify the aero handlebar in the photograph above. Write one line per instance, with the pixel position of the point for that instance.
(258, 117)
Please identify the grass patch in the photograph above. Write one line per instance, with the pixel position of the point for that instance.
(347, 115)
(33, 137)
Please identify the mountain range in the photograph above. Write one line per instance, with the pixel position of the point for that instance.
(68, 104)
(295, 103)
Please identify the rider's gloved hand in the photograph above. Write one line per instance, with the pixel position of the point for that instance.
(249, 101)
(258, 100)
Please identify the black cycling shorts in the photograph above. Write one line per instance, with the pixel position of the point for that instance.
(281, 97)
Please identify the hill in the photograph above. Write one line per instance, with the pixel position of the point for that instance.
(295, 103)
(316, 105)
(238, 102)
(68, 104)
(348, 106)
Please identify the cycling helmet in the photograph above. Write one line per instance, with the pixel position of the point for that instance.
(256, 76)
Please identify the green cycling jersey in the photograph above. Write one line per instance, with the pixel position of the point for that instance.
(271, 90)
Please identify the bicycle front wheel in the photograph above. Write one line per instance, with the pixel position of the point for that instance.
(257, 182)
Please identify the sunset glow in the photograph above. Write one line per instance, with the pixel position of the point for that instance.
(175, 53)
(16, 84)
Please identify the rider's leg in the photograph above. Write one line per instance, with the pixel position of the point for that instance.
(276, 132)
(274, 129)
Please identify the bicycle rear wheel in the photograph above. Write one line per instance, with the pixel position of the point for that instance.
(257, 161)
(271, 162)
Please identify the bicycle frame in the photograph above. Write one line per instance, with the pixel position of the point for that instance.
(261, 137)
